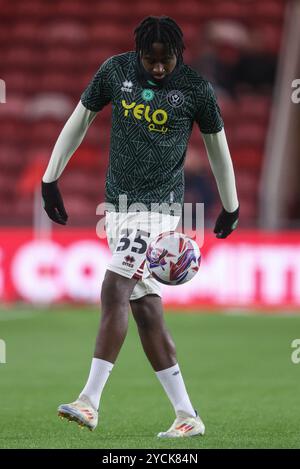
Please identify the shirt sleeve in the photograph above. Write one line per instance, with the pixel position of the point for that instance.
(222, 168)
(99, 91)
(68, 141)
(208, 114)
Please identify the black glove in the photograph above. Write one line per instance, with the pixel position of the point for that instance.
(53, 202)
(226, 223)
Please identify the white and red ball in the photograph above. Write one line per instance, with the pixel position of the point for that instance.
(173, 258)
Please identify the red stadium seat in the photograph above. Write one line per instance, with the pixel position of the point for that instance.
(247, 157)
(21, 82)
(66, 32)
(192, 11)
(23, 209)
(46, 131)
(75, 182)
(5, 33)
(114, 11)
(61, 58)
(249, 209)
(74, 10)
(249, 133)
(13, 130)
(11, 159)
(31, 9)
(81, 208)
(14, 107)
(228, 107)
(59, 81)
(255, 107)
(27, 31)
(23, 56)
(110, 35)
(94, 57)
(247, 183)
(232, 9)
(270, 10)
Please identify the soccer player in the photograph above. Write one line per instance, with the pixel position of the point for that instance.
(156, 98)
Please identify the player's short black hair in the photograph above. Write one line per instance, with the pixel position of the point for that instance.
(159, 29)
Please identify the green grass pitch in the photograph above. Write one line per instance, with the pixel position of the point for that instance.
(237, 369)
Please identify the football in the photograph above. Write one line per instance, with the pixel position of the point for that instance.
(173, 258)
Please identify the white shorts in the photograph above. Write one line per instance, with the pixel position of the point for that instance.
(129, 235)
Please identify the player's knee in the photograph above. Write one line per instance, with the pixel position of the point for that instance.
(114, 293)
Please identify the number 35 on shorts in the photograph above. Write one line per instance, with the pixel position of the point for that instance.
(133, 240)
(130, 253)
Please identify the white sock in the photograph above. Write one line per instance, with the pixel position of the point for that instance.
(99, 373)
(174, 386)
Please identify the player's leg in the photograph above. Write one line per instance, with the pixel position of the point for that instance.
(115, 294)
(160, 350)
(156, 340)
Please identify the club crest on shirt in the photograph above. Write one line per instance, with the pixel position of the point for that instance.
(175, 98)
